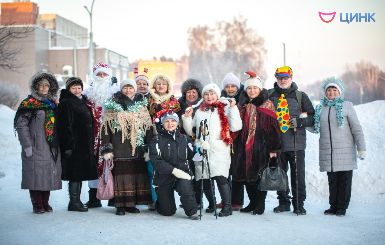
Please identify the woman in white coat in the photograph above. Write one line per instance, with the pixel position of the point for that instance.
(341, 141)
(215, 119)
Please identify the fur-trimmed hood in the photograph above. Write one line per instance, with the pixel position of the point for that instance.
(192, 84)
(53, 88)
(170, 89)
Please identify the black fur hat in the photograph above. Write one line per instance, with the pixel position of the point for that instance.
(73, 81)
(192, 84)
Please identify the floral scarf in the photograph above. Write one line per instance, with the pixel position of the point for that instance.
(337, 103)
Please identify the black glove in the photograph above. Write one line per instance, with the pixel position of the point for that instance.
(68, 154)
(295, 122)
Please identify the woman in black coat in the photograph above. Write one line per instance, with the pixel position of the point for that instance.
(75, 125)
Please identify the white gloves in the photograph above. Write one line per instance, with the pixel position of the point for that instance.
(361, 155)
(108, 156)
(181, 174)
(28, 151)
(205, 145)
(146, 156)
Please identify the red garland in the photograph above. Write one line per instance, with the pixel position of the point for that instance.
(225, 127)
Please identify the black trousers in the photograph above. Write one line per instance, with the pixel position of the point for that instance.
(340, 187)
(287, 158)
(237, 193)
(165, 205)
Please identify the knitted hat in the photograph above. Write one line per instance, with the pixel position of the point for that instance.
(230, 78)
(169, 115)
(73, 81)
(141, 75)
(253, 80)
(334, 82)
(212, 86)
(128, 82)
(284, 71)
(102, 67)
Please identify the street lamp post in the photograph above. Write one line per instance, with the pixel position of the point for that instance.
(284, 54)
(91, 46)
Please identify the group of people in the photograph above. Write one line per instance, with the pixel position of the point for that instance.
(160, 144)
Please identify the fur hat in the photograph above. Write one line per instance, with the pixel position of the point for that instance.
(334, 82)
(191, 84)
(73, 81)
(53, 85)
(141, 75)
(169, 115)
(212, 86)
(102, 67)
(284, 71)
(253, 80)
(129, 82)
(230, 78)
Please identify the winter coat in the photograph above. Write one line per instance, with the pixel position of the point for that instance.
(295, 110)
(266, 138)
(124, 150)
(219, 152)
(338, 146)
(169, 151)
(236, 97)
(76, 134)
(42, 170)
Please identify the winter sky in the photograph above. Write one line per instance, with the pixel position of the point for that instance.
(314, 49)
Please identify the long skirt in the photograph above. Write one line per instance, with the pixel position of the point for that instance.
(131, 183)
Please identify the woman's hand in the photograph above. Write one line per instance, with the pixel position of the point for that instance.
(232, 102)
(188, 112)
(273, 154)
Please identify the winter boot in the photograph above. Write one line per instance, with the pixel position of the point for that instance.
(300, 210)
(120, 211)
(194, 217)
(75, 204)
(225, 192)
(251, 192)
(37, 202)
(210, 197)
(340, 212)
(46, 205)
(282, 208)
(330, 211)
(132, 210)
(93, 202)
(260, 202)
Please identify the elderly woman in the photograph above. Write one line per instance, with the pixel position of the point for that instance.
(35, 125)
(341, 141)
(257, 143)
(126, 132)
(216, 120)
(76, 131)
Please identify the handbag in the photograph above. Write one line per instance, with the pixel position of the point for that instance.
(106, 182)
(273, 178)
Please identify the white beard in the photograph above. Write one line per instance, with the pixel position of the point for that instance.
(100, 91)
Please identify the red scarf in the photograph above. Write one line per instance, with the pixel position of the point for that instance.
(225, 127)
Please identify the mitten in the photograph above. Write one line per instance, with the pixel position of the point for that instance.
(108, 156)
(361, 155)
(28, 151)
(181, 174)
(295, 122)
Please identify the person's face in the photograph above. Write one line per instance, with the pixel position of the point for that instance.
(284, 82)
(332, 93)
(128, 91)
(253, 92)
(142, 86)
(76, 90)
(231, 89)
(170, 124)
(191, 95)
(210, 97)
(161, 86)
(43, 88)
(101, 74)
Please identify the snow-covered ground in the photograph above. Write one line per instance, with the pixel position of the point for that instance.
(363, 224)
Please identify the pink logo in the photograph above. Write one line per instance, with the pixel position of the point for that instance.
(329, 16)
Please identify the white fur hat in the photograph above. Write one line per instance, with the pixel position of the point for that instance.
(230, 78)
(130, 82)
(212, 86)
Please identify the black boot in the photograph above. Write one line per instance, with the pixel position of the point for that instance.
(300, 210)
(46, 205)
(74, 189)
(225, 192)
(251, 190)
(282, 208)
(120, 211)
(210, 197)
(331, 211)
(93, 202)
(260, 202)
(37, 201)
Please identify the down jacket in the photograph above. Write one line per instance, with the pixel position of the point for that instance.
(338, 146)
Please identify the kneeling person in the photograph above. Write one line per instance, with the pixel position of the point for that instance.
(169, 152)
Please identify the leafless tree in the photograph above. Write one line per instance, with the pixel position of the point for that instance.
(8, 53)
